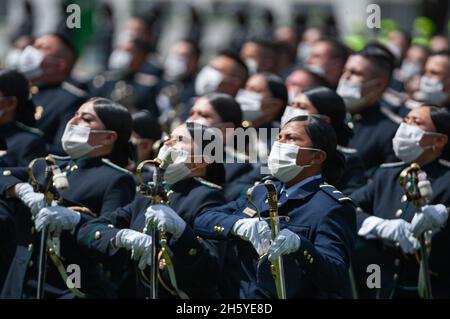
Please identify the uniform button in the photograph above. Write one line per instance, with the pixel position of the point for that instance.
(395, 276)
(110, 226)
(30, 264)
(311, 260)
(222, 229)
(308, 257)
(397, 262)
(97, 235)
(305, 253)
(34, 89)
(398, 213)
(200, 240)
(404, 198)
(192, 252)
(7, 173)
(30, 247)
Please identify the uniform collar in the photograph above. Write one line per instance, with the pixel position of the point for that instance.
(86, 162)
(367, 112)
(303, 188)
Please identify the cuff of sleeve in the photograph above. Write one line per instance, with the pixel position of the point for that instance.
(186, 247)
(368, 226)
(306, 254)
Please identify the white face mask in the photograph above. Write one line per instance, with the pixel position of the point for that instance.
(30, 63)
(409, 69)
(250, 103)
(282, 161)
(431, 91)
(291, 112)
(119, 60)
(252, 66)
(13, 58)
(291, 95)
(317, 69)
(75, 140)
(177, 170)
(175, 67)
(406, 142)
(351, 93)
(208, 80)
(303, 52)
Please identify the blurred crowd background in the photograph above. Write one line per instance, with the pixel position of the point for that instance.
(214, 24)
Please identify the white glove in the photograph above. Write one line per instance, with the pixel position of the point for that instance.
(35, 201)
(397, 230)
(432, 217)
(256, 231)
(58, 218)
(165, 219)
(285, 243)
(139, 244)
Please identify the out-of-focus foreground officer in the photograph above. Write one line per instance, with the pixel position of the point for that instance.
(48, 65)
(96, 139)
(24, 143)
(316, 240)
(389, 225)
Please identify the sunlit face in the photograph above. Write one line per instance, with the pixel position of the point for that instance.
(438, 68)
(203, 112)
(302, 102)
(298, 81)
(295, 133)
(258, 84)
(87, 117)
(421, 118)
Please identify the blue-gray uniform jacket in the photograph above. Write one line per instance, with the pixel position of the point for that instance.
(196, 261)
(134, 91)
(93, 183)
(55, 106)
(373, 133)
(23, 144)
(320, 215)
(383, 198)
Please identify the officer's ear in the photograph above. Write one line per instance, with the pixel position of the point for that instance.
(440, 141)
(111, 137)
(319, 157)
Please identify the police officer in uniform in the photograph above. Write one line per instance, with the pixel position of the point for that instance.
(388, 226)
(48, 64)
(178, 86)
(316, 241)
(16, 112)
(131, 79)
(192, 188)
(328, 105)
(366, 75)
(96, 139)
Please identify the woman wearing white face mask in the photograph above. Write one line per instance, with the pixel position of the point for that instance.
(386, 219)
(316, 242)
(328, 105)
(191, 187)
(263, 99)
(97, 140)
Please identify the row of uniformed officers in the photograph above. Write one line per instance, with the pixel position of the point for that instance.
(219, 247)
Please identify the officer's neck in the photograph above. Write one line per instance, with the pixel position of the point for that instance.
(304, 174)
(428, 156)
